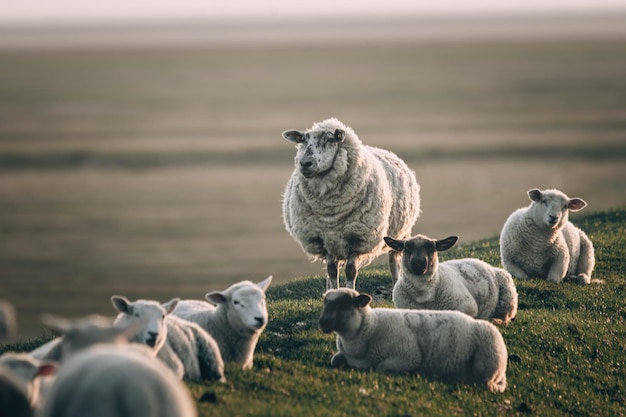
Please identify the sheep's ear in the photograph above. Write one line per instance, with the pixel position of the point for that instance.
(121, 304)
(445, 244)
(294, 136)
(362, 300)
(170, 305)
(340, 135)
(265, 283)
(534, 194)
(397, 245)
(47, 368)
(58, 325)
(216, 298)
(576, 204)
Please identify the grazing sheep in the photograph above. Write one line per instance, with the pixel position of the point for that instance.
(31, 374)
(111, 379)
(183, 346)
(344, 196)
(8, 322)
(470, 286)
(539, 241)
(13, 399)
(444, 345)
(237, 321)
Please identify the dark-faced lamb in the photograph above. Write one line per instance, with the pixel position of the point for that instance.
(344, 197)
(540, 241)
(468, 285)
(443, 345)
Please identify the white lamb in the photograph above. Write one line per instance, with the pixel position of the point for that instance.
(237, 321)
(182, 345)
(540, 241)
(444, 345)
(33, 375)
(467, 285)
(344, 197)
(111, 379)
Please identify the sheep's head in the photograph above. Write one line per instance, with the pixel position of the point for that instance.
(340, 312)
(551, 207)
(151, 314)
(245, 304)
(419, 254)
(317, 149)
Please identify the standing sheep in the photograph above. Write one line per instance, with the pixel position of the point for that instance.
(540, 241)
(183, 346)
(468, 285)
(442, 345)
(344, 197)
(237, 321)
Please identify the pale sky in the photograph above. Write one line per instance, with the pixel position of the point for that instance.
(30, 11)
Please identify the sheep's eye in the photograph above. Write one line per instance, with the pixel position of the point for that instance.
(235, 302)
(135, 314)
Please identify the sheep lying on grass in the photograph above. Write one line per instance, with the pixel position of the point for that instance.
(344, 196)
(237, 321)
(102, 376)
(540, 241)
(443, 345)
(31, 374)
(183, 346)
(468, 285)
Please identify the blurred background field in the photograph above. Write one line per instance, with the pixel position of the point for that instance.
(154, 167)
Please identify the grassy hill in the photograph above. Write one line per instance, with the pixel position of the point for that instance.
(567, 350)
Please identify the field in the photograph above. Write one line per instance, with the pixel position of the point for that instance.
(156, 172)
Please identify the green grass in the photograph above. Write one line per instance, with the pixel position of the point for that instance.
(567, 351)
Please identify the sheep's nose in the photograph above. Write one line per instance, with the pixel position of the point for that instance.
(306, 164)
(260, 321)
(152, 338)
(553, 219)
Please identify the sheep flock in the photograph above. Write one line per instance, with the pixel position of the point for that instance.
(345, 204)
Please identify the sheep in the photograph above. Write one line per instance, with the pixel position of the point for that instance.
(109, 379)
(344, 196)
(443, 345)
(183, 346)
(540, 241)
(237, 321)
(31, 374)
(470, 286)
(8, 322)
(14, 401)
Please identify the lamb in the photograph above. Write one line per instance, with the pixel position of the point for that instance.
(443, 345)
(540, 241)
(109, 379)
(32, 375)
(8, 322)
(344, 196)
(470, 286)
(236, 323)
(183, 346)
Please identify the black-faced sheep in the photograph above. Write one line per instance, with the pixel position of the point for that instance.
(540, 241)
(344, 197)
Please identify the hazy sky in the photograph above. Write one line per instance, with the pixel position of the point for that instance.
(86, 10)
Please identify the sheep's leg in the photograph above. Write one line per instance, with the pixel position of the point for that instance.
(332, 271)
(586, 261)
(559, 268)
(338, 361)
(351, 273)
(394, 265)
(516, 271)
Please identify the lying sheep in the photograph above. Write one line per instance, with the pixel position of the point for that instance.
(111, 379)
(237, 321)
(344, 196)
(183, 346)
(539, 241)
(445, 345)
(468, 285)
(31, 374)
(8, 322)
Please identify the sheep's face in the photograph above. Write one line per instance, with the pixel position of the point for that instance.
(151, 316)
(317, 150)
(340, 312)
(551, 207)
(419, 254)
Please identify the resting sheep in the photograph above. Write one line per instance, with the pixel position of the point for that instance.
(540, 241)
(111, 379)
(183, 346)
(470, 286)
(237, 321)
(344, 196)
(444, 345)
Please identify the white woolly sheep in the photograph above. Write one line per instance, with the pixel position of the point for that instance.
(344, 197)
(470, 286)
(237, 321)
(8, 322)
(444, 345)
(183, 346)
(32, 374)
(540, 241)
(13, 398)
(112, 380)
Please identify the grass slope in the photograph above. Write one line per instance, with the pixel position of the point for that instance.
(567, 350)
